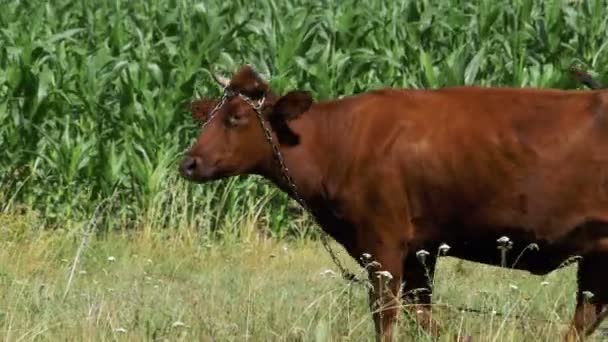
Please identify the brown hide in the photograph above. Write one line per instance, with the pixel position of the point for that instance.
(462, 164)
(389, 172)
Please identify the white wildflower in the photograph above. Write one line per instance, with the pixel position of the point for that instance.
(120, 330)
(374, 264)
(328, 273)
(422, 252)
(178, 324)
(385, 274)
(504, 244)
(366, 255)
(503, 240)
(513, 287)
(111, 258)
(588, 294)
(544, 283)
(421, 255)
(444, 248)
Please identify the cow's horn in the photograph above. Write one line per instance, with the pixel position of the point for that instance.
(221, 80)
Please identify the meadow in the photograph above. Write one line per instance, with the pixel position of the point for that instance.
(158, 285)
(93, 119)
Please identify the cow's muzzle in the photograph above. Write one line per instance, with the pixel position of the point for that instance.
(193, 169)
(189, 166)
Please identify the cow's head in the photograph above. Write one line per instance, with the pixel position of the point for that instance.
(233, 142)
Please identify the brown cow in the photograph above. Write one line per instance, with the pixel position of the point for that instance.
(391, 172)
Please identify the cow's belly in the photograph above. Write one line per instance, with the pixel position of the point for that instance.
(523, 254)
(526, 249)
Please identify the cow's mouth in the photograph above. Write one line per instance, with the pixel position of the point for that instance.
(194, 170)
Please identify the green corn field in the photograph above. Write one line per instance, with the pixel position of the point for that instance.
(93, 94)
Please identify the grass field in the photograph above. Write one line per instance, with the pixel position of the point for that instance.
(155, 285)
(91, 109)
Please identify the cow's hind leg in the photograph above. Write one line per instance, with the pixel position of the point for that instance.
(418, 273)
(591, 297)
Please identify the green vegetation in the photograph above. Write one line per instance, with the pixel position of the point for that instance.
(92, 94)
(92, 116)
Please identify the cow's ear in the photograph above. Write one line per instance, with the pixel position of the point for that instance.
(200, 109)
(292, 105)
(289, 107)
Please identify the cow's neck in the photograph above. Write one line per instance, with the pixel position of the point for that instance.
(304, 163)
(308, 165)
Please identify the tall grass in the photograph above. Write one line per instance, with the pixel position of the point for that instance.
(154, 284)
(92, 92)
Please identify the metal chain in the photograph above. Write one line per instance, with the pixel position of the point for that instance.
(349, 276)
(227, 93)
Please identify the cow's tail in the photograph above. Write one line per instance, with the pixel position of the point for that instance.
(585, 78)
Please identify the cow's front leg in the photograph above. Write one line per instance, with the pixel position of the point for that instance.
(385, 274)
(418, 271)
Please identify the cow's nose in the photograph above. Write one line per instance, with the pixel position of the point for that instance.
(189, 166)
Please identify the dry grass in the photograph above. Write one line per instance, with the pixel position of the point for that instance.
(177, 286)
